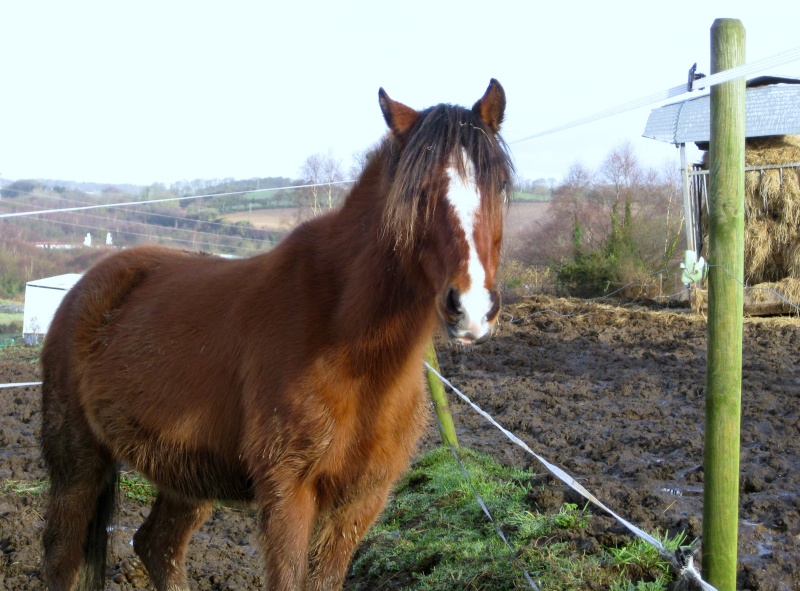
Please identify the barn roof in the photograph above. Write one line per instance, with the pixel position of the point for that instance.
(773, 109)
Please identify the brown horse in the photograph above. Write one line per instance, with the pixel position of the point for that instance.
(292, 379)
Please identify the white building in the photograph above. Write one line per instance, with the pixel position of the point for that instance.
(42, 298)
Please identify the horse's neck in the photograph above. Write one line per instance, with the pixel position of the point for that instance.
(383, 303)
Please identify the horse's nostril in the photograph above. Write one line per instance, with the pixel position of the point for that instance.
(494, 297)
(453, 302)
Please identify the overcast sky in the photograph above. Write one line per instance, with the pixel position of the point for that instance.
(164, 91)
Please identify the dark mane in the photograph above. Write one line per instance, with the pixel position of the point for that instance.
(430, 145)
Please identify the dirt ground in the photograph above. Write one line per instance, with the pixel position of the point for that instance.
(614, 395)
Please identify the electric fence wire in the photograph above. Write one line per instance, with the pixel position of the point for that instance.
(159, 231)
(161, 200)
(185, 241)
(756, 287)
(134, 211)
(784, 57)
(588, 302)
(681, 561)
(743, 71)
(485, 509)
(640, 281)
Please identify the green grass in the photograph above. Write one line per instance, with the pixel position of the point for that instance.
(23, 488)
(10, 325)
(521, 196)
(8, 318)
(434, 536)
(131, 485)
(18, 351)
(135, 486)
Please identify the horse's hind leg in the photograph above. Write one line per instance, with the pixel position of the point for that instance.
(82, 497)
(162, 539)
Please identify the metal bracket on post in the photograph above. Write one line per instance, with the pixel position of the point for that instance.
(693, 75)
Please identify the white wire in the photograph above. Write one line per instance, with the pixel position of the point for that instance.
(784, 57)
(743, 71)
(31, 194)
(163, 200)
(635, 104)
(19, 385)
(572, 483)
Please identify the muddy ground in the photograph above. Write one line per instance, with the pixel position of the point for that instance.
(613, 395)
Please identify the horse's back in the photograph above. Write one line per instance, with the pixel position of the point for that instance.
(142, 353)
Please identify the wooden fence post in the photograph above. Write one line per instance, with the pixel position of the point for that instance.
(446, 426)
(725, 301)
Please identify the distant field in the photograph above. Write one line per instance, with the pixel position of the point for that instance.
(521, 214)
(280, 218)
(522, 196)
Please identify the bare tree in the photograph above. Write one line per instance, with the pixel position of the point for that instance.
(622, 172)
(311, 173)
(574, 221)
(323, 173)
(332, 175)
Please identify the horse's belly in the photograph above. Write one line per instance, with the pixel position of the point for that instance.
(192, 449)
(197, 472)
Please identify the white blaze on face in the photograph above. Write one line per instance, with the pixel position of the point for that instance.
(465, 198)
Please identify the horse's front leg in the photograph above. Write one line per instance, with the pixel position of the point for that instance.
(287, 518)
(337, 533)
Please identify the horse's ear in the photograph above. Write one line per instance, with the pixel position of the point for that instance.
(399, 117)
(492, 106)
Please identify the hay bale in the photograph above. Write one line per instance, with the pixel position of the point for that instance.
(758, 246)
(761, 299)
(772, 210)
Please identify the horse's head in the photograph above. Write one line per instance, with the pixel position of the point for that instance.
(449, 171)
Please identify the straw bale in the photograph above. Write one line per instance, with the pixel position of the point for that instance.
(772, 206)
(774, 149)
(760, 299)
(788, 288)
(757, 250)
(791, 259)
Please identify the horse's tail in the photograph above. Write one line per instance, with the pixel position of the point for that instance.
(93, 573)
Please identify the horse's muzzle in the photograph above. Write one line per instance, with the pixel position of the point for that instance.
(465, 326)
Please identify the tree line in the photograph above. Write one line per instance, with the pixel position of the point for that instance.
(605, 227)
(608, 227)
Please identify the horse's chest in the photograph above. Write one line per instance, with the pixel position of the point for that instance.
(375, 439)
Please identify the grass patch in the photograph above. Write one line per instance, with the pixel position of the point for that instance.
(24, 488)
(136, 487)
(523, 196)
(433, 536)
(10, 324)
(518, 280)
(18, 351)
(11, 318)
(131, 484)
